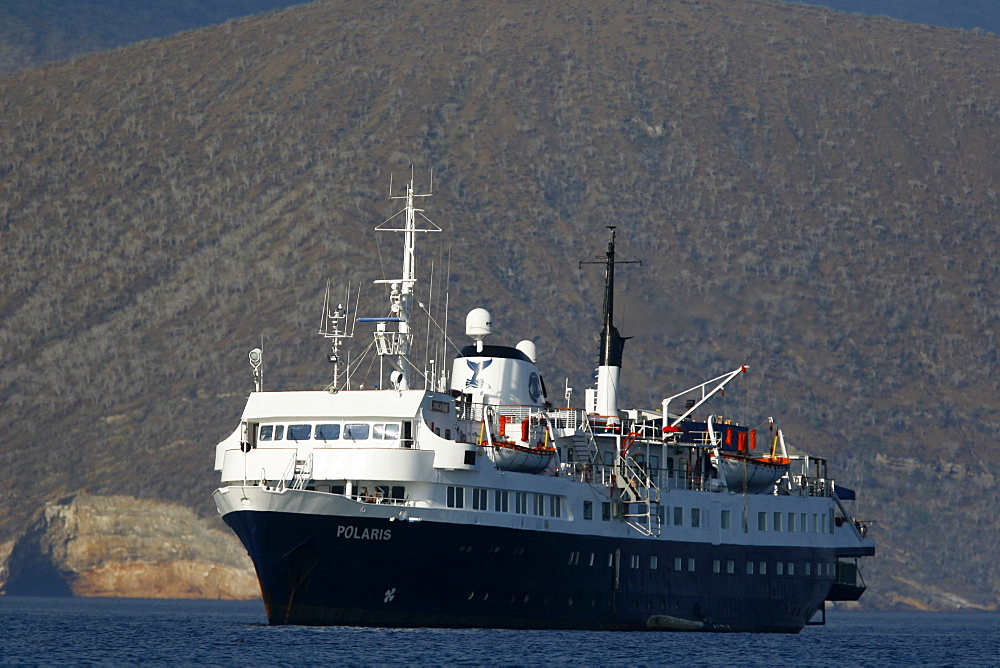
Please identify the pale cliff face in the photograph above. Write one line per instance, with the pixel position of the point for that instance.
(120, 546)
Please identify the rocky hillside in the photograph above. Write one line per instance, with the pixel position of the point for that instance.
(121, 546)
(812, 193)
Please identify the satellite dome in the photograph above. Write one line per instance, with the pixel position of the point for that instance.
(528, 348)
(478, 324)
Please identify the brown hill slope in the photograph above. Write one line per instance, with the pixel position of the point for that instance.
(811, 193)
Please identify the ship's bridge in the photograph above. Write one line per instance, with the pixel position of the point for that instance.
(287, 435)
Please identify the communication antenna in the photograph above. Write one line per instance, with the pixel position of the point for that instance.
(333, 326)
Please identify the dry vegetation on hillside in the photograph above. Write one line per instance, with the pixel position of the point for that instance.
(812, 193)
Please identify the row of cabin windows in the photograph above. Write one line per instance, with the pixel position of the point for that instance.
(689, 564)
(524, 503)
(351, 431)
(588, 510)
(695, 515)
(802, 522)
(373, 494)
(697, 518)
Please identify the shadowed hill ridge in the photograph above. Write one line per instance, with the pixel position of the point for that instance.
(45, 30)
(812, 193)
(968, 15)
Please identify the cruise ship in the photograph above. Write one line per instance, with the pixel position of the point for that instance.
(470, 497)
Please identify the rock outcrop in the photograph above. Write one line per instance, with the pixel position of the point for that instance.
(121, 546)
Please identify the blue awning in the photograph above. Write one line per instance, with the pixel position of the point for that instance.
(844, 493)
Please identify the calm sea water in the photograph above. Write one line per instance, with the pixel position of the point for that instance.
(117, 631)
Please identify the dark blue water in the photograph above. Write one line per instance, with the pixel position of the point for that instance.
(116, 632)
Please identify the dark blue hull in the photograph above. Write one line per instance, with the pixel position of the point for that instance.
(324, 570)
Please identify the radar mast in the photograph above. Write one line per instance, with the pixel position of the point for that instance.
(395, 346)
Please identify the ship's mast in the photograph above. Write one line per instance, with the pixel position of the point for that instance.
(396, 346)
(609, 364)
(333, 327)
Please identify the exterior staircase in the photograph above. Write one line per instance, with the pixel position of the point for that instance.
(640, 497)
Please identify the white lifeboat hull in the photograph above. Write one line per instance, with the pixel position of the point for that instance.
(755, 474)
(521, 459)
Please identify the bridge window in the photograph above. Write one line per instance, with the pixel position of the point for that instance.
(299, 432)
(388, 432)
(327, 432)
(266, 432)
(356, 432)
